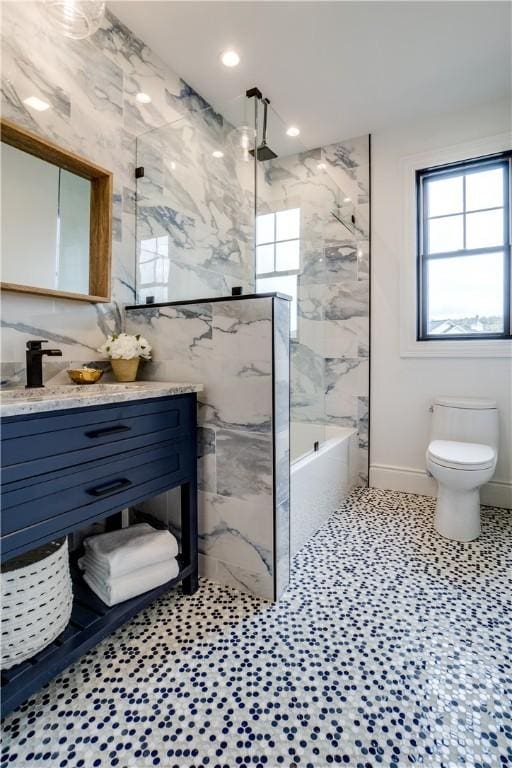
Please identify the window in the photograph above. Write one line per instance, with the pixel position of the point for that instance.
(464, 250)
(154, 268)
(278, 256)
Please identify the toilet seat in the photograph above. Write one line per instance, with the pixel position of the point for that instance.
(458, 455)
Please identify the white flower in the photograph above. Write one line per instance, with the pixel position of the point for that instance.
(122, 346)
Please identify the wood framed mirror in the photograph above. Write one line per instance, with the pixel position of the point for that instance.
(56, 219)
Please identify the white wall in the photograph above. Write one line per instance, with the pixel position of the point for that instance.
(402, 388)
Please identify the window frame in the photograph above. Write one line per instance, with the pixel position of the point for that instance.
(473, 165)
(275, 242)
(281, 272)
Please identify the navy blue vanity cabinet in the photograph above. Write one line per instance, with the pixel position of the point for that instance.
(63, 470)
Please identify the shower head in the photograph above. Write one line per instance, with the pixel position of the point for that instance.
(263, 151)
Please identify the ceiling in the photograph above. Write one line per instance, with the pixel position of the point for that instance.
(336, 69)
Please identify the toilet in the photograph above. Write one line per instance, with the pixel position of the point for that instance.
(461, 456)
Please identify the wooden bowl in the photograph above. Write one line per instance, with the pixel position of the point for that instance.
(85, 375)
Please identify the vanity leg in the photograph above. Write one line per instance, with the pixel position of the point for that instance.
(114, 522)
(191, 583)
(189, 536)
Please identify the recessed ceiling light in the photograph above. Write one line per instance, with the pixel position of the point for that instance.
(36, 103)
(347, 199)
(217, 153)
(143, 98)
(292, 131)
(230, 58)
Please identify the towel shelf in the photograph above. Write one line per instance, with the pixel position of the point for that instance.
(91, 621)
(66, 469)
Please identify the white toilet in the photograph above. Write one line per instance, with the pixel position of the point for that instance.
(462, 457)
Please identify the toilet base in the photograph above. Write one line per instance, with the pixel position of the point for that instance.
(457, 514)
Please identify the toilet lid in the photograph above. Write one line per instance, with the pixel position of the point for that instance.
(449, 453)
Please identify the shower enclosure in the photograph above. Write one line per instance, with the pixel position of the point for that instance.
(223, 205)
(312, 242)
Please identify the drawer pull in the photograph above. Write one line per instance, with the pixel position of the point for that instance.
(108, 431)
(115, 485)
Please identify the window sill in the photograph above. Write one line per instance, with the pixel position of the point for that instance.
(475, 348)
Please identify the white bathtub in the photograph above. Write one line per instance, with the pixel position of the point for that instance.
(320, 480)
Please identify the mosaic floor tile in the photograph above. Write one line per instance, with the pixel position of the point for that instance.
(391, 647)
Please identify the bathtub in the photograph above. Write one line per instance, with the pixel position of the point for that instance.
(320, 480)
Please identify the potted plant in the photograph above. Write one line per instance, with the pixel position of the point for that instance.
(125, 352)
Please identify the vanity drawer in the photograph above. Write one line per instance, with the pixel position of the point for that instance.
(29, 450)
(63, 500)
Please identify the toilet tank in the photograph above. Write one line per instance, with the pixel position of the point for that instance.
(465, 419)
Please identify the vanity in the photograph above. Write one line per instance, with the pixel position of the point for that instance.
(74, 455)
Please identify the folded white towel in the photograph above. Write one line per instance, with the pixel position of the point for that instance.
(128, 549)
(117, 590)
(90, 565)
(97, 568)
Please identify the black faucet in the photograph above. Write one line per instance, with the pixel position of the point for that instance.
(34, 357)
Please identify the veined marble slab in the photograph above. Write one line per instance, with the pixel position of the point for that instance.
(239, 349)
(21, 402)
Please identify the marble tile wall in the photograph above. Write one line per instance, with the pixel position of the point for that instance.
(239, 350)
(91, 86)
(330, 354)
(281, 421)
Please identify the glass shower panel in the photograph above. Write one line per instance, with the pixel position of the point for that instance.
(311, 245)
(195, 205)
(292, 209)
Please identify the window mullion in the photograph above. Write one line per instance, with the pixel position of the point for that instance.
(424, 197)
(425, 204)
(464, 220)
(460, 213)
(275, 239)
(507, 217)
(466, 252)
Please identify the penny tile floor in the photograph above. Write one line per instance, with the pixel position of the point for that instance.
(391, 647)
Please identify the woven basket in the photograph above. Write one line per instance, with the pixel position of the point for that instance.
(36, 601)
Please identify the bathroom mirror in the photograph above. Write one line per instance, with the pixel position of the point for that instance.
(56, 219)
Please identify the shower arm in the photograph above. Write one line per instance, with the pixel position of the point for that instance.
(266, 102)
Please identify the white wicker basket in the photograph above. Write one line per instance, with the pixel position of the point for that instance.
(36, 601)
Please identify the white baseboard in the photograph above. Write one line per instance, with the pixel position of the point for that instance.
(495, 494)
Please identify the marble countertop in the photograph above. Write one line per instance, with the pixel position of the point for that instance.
(21, 402)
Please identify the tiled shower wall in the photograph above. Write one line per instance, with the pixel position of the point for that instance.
(330, 354)
(239, 350)
(91, 86)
